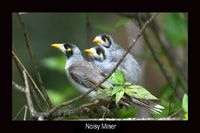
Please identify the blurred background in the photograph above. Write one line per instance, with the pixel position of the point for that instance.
(168, 35)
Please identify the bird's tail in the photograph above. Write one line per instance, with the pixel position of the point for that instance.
(150, 105)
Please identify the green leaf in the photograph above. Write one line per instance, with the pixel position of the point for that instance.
(185, 103)
(55, 63)
(102, 93)
(112, 80)
(122, 22)
(119, 95)
(139, 92)
(119, 76)
(185, 116)
(116, 89)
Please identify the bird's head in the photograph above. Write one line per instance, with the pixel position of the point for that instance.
(68, 49)
(103, 40)
(96, 53)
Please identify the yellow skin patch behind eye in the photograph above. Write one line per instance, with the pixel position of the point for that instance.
(101, 55)
(106, 40)
(68, 49)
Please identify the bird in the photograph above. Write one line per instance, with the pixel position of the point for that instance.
(129, 66)
(85, 75)
(100, 56)
(82, 74)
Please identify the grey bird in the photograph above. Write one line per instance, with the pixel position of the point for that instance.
(100, 56)
(129, 65)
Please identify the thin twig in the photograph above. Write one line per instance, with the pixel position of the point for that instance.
(18, 63)
(28, 46)
(25, 112)
(19, 112)
(175, 113)
(18, 87)
(83, 109)
(33, 93)
(116, 66)
(28, 95)
(17, 66)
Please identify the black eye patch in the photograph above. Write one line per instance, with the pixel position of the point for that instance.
(101, 51)
(107, 40)
(67, 46)
(104, 38)
(69, 50)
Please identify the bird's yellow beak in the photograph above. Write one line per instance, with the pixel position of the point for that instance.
(97, 41)
(89, 52)
(56, 45)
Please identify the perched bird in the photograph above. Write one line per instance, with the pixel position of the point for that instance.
(100, 56)
(82, 74)
(114, 53)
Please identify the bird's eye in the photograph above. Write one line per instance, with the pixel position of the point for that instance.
(105, 38)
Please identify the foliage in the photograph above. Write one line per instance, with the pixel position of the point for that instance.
(169, 101)
(185, 106)
(120, 87)
(139, 92)
(176, 29)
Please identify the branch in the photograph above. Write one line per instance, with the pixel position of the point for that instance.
(58, 114)
(83, 109)
(28, 46)
(18, 63)
(18, 87)
(23, 107)
(118, 63)
(17, 66)
(28, 95)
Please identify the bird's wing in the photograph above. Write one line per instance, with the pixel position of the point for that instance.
(87, 74)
